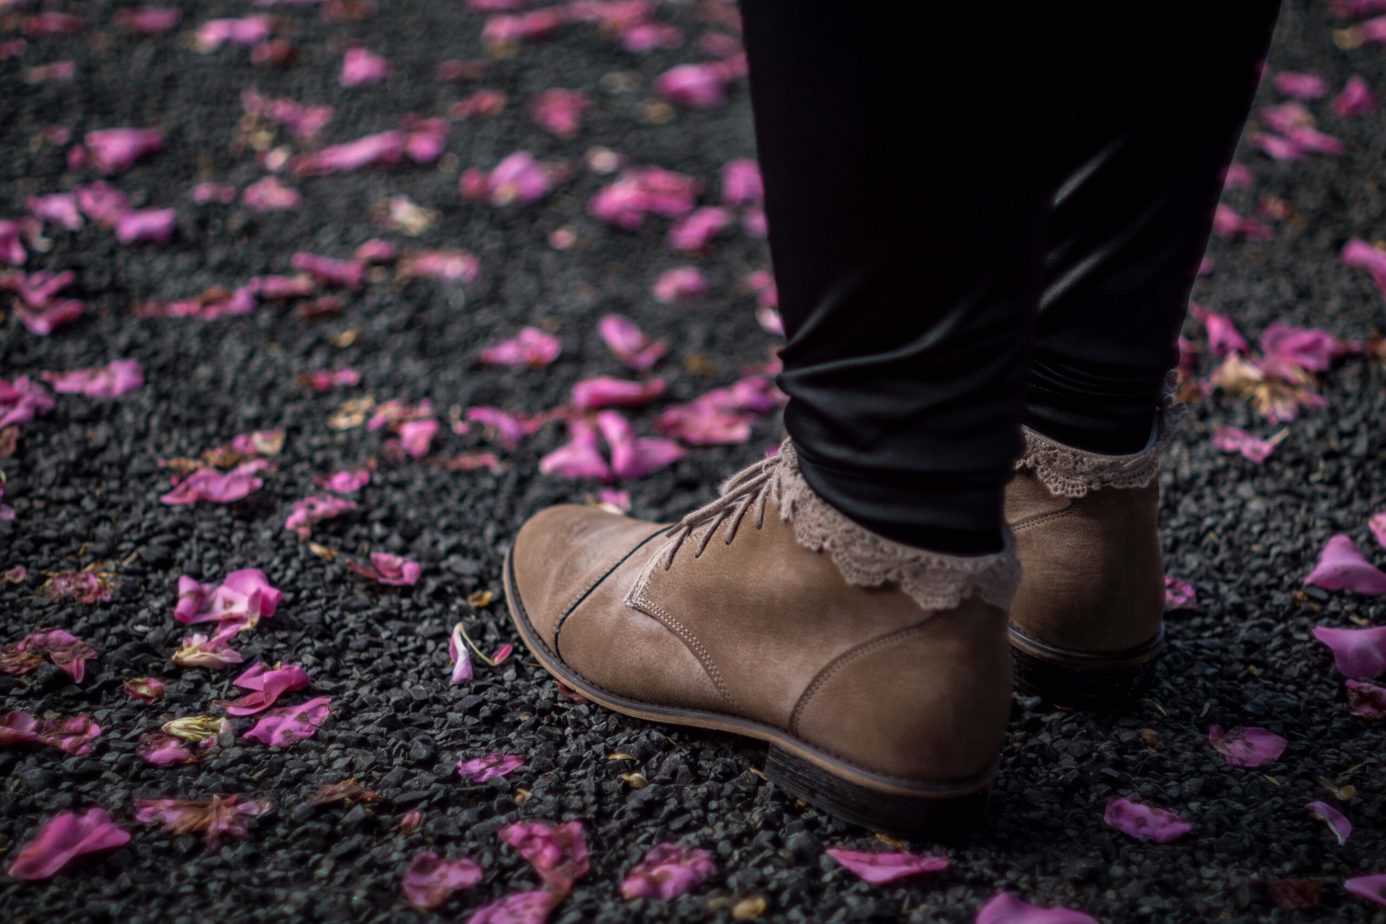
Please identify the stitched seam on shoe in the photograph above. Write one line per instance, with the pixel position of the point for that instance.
(596, 582)
(642, 602)
(1041, 519)
(842, 661)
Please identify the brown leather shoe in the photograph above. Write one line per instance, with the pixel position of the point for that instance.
(1086, 623)
(878, 674)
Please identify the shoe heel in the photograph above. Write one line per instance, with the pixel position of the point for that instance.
(1076, 680)
(948, 817)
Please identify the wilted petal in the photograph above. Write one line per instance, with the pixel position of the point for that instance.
(1179, 595)
(517, 908)
(460, 656)
(558, 853)
(74, 735)
(878, 868)
(1367, 700)
(291, 724)
(1005, 908)
(605, 391)
(530, 347)
(1145, 823)
(1232, 439)
(580, 457)
(198, 650)
(1248, 746)
(1372, 888)
(270, 195)
(360, 66)
(431, 879)
(145, 689)
(1357, 653)
(1342, 567)
(490, 767)
(102, 203)
(217, 817)
(518, 179)
(248, 30)
(63, 838)
(680, 283)
(425, 139)
(1304, 347)
(508, 429)
(386, 568)
(1337, 822)
(668, 871)
(1361, 255)
(348, 481)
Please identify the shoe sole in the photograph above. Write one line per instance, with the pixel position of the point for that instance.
(1077, 679)
(943, 810)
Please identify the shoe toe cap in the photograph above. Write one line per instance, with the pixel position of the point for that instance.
(562, 551)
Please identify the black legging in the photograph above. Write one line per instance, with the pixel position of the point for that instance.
(981, 218)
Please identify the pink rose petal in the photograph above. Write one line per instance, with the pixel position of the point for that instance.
(1179, 595)
(248, 30)
(1372, 888)
(1357, 653)
(489, 767)
(289, 725)
(1342, 567)
(266, 687)
(695, 231)
(160, 750)
(560, 111)
(680, 283)
(115, 150)
(59, 208)
(698, 86)
(1246, 746)
(530, 347)
(242, 599)
(1223, 335)
(447, 265)
(198, 650)
(517, 908)
(1300, 86)
(430, 879)
(383, 148)
(879, 868)
(1355, 99)
(668, 871)
(1145, 823)
(116, 378)
(1254, 449)
(360, 66)
(148, 20)
(1005, 908)
(345, 273)
(62, 839)
(270, 195)
(74, 735)
(208, 484)
(605, 391)
(580, 457)
(348, 481)
(625, 339)
(558, 853)
(1337, 822)
(385, 568)
(631, 456)
(741, 183)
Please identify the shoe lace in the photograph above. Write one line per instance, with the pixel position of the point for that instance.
(747, 490)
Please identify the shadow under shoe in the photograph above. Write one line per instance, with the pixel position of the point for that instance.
(1086, 624)
(882, 706)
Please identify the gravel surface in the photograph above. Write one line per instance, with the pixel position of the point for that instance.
(86, 480)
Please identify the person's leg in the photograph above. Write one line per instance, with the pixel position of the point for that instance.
(844, 600)
(1150, 121)
(903, 223)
